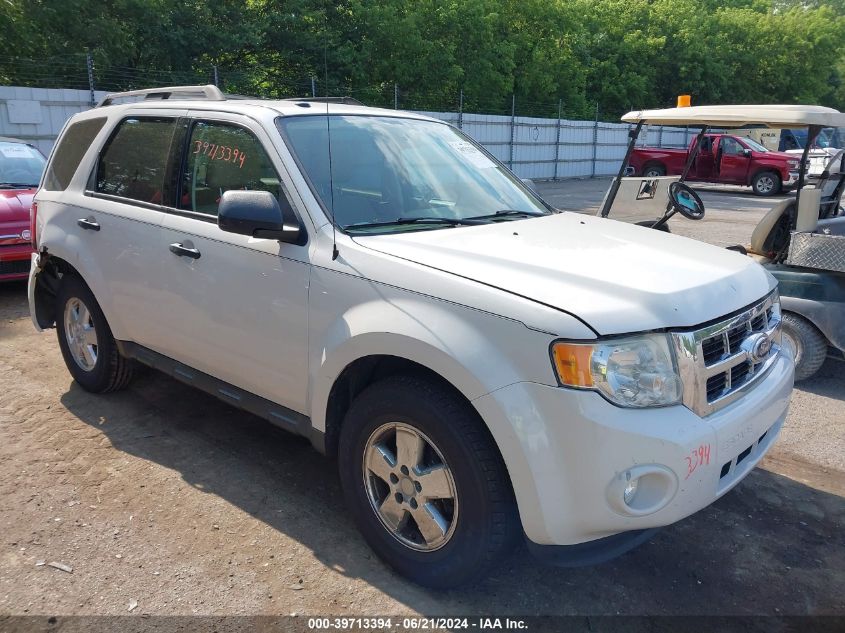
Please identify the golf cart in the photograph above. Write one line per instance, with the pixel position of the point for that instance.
(801, 240)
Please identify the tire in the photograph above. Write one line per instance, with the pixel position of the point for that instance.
(654, 170)
(86, 341)
(766, 183)
(480, 524)
(808, 345)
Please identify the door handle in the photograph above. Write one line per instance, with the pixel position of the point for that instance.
(87, 224)
(183, 251)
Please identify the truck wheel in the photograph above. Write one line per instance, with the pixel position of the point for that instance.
(808, 345)
(425, 482)
(86, 341)
(766, 183)
(654, 171)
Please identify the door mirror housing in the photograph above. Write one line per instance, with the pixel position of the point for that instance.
(746, 153)
(257, 214)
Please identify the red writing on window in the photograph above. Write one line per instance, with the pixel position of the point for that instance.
(220, 152)
(698, 457)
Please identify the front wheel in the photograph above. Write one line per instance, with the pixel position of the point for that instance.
(425, 482)
(86, 341)
(808, 345)
(766, 183)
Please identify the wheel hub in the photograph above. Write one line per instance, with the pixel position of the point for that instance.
(80, 334)
(410, 487)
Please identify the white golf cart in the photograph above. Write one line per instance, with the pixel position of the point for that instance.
(801, 240)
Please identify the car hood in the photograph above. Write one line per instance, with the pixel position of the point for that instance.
(616, 277)
(14, 204)
(782, 156)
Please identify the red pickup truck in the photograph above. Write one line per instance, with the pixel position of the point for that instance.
(722, 158)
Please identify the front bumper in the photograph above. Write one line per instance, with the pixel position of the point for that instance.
(570, 454)
(14, 261)
(792, 180)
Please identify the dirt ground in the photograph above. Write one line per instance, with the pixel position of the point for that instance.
(164, 497)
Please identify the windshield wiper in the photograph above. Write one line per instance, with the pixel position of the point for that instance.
(423, 220)
(505, 213)
(16, 185)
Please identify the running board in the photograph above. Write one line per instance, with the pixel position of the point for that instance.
(276, 414)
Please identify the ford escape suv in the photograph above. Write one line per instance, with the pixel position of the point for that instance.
(483, 367)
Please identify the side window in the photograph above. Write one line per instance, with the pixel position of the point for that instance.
(730, 146)
(72, 147)
(134, 162)
(223, 157)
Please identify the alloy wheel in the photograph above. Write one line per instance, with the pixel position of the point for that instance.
(80, 334)
(410, 487)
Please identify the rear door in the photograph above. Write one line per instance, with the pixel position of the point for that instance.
(237, 309)
(705, 160)
(733, 163)
(118, 222)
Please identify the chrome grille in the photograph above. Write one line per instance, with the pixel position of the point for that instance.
(720, 362)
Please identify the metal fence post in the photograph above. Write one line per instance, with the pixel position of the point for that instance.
(313, 86)
(660, 137)
(513, 129)
(395, 96)
(216, 76)
(557, 140)
(461, 110)
(89, 63)
(595, 142)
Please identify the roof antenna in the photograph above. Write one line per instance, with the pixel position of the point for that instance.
(335, 252)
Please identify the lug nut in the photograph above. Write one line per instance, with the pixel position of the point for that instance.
(393, 478)
(413, 503)
(399, 497)
(418, 486)
(404, 470)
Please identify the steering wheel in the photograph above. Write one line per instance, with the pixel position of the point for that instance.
(686, 201)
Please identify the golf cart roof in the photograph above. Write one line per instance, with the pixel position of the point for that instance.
(727, 116)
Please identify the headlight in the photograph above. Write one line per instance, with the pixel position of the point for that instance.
(638, 371)
(793, 164)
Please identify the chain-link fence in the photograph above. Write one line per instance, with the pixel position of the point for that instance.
(545, 140)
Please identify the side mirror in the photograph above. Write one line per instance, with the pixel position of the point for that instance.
(746, 153)
(257, 214)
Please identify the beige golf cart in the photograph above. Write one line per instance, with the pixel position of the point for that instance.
(801, 240)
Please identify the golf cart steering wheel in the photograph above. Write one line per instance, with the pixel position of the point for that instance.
(686, 201)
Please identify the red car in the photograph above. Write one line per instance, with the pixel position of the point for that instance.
(21, 165)
(723, 158)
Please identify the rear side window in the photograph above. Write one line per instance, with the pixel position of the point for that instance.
(134, 163)
(223, 157)
(72, 147)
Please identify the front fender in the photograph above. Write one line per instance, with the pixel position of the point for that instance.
(475, 351)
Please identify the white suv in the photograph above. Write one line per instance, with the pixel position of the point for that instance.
(482, 366)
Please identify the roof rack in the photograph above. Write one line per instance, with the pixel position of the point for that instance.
(341, 100)
(209, 92)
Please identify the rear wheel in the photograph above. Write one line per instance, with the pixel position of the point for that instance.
(808, 345)
(766, 183)
(654, 170)
(86, 341)
(425, 482)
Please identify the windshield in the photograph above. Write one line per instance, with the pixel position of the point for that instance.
(757, 147)
(20, 165)
(396, 174)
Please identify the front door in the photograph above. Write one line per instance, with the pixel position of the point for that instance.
(733, 163)
(236, 307)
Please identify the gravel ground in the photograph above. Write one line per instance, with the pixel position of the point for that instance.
(165, 497)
